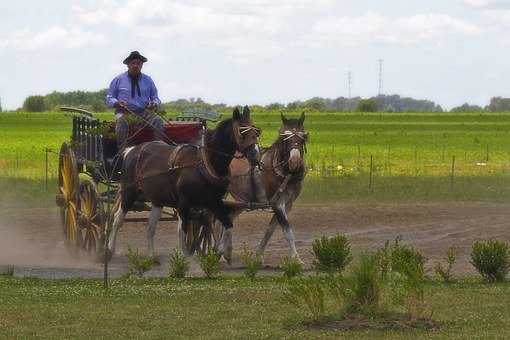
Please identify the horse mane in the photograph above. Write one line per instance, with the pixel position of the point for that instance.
(222, 134)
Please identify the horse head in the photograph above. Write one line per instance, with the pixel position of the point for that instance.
(293, 138)
(246, 134)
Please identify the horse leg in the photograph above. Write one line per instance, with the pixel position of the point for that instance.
(281, 216)
(267, 236)
(225, 246)
(127, 197)
(154, 217)
(117, 223)
(182, 227)
(270, 230)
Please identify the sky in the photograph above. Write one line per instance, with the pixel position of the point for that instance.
(260, 51)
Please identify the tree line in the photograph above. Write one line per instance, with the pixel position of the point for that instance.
(95, 101)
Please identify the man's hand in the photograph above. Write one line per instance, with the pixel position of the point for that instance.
(120, 104)
(152, 106)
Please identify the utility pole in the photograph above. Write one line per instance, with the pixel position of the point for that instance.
(349, 83)
(380, 77)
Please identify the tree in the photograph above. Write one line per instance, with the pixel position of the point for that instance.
(275, 107)
(34, 104)
(367, 105)
(467, 108)
(0, 104)
(499, 104)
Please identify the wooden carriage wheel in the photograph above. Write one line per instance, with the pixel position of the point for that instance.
(67, 197)
(91, 218)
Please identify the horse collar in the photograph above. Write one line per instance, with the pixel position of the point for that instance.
(207, 170)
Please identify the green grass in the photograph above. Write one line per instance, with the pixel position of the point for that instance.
(411, 153)
(221, 308)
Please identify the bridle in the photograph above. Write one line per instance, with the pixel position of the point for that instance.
(302, 135)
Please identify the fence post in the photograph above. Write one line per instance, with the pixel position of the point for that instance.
(46, 168)
(452, 176)
(388, 160)
(359, 158)
(371, 171)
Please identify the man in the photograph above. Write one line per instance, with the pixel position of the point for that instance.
(133, 92)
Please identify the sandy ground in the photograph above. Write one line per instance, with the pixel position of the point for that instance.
(31, 239)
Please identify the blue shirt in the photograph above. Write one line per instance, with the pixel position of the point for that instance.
(120, 89)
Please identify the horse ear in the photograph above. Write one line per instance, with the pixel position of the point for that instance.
(301, 119)
(284, 120)
(236, 115)
(246, 112)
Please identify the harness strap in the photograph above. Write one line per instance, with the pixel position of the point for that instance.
(208, 171)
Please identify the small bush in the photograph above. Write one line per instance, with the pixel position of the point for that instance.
(332, 254)
(406, 260)
(138, 264)
(402, 269)
(178, 265)
(445, 274)
(364, 295)
(252, 262)
(210, 263)
(309, 293)
(492, 259)
(291, 267)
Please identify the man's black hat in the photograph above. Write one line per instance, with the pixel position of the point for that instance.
(134, 55)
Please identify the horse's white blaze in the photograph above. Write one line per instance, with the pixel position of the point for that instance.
(294, 158)
(154, 217)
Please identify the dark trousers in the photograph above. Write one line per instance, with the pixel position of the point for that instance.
(122, 127)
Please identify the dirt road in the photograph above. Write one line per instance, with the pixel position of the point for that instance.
(31, 239)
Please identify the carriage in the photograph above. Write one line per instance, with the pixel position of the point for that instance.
(89, 174)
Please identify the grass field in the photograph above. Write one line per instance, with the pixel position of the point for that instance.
(224, 308)
(412, 153)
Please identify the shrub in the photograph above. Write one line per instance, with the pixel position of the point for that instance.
(178, 265)
(492, 260)
(332, 254)
(210, 263)
(402, 268)
(364, 294)
(138, 264)
(446, 273)
(309, 293)
(384, 260)
(252, 262)
(407, 260)
(291, 267)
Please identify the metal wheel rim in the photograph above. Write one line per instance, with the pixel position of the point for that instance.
(91, 217)
(68, 189)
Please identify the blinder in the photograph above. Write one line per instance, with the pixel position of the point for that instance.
(303, 135)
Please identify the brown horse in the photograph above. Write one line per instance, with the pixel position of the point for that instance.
(186, 177)
(277, 182)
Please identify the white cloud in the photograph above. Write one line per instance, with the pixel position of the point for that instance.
(55, 36)
(488, 4)
(374, 27)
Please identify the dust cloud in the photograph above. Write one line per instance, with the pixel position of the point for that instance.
(33, 237)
